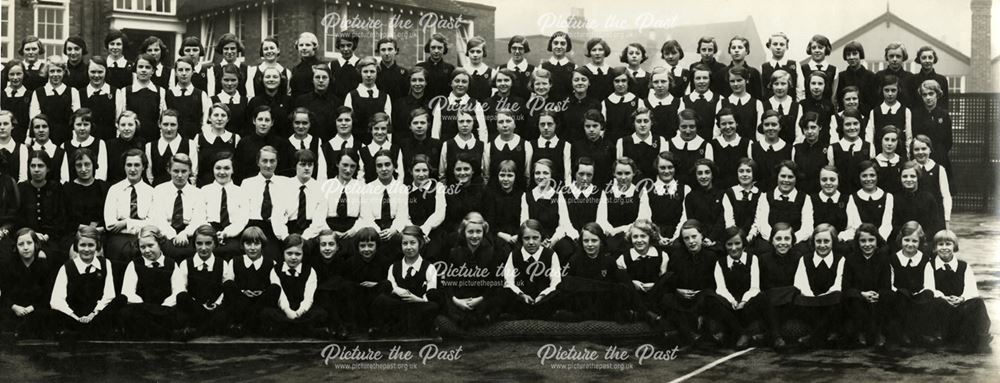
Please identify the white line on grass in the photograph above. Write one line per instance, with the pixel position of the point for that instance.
(711, 365)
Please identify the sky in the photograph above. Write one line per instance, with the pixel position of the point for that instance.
(947, 20)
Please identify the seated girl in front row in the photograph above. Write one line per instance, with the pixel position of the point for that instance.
(593, 284)
(531, 275)
(84, 289)
(365, 270)
(961, 314)
(819, 278)
(26, 281)
(645, 268)
(469, 296)
(295, 314)
(247, 287)
(412, 303)
(737, 284)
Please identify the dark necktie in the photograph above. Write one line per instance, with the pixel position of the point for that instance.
(155, 265)
(302, 206)
(784, 198)
(167, 153)
(548, 144)
(89, 270)
(291, 272)
(224, 209)
(822, 265)
(850, 150)
(746, 195)
(342, 204)
(203, 268)
(413, 271)
(947, 267)
(371, 93)
(133, 207)
(265, 206)
(177, 218)
(909, 263)
(635, 73)
(302, 144)
(599, 72)
(737, 263)
(386, 215)
(701, 96)
(781, 109)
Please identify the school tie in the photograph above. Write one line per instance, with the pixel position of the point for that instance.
(746, 195)
(784, 197)
(265, 206)
(371, 93)
(184, 92)
(177, 218)
(342, 204)
(822, 265)
(635, 73)
(133, 209)
(386, 215)
(203, 268)
(909, 263)
(781, 109)
(302, 205)
(413, 271)
(701, 96)
(737, 263)
(947, 267)
(291, 273)
(548, 144)
(89, 270)
(224, 209)
(599, 72)
(168, 153)
(155, 265)
(302, 144)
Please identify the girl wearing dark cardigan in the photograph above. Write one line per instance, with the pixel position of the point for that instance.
(915, 203)
(471, 290)
(704, 202)
(690, 280)
(593, 285)
(866, 280)
(26, 281)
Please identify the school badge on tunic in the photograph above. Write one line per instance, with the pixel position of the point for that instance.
(604, 273)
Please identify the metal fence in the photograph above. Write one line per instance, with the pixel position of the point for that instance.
(975, 154)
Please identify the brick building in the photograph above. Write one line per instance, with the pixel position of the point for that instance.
(411, 22)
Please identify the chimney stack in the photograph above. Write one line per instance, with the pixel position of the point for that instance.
(981, 79)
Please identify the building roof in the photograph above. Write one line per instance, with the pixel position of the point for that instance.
(889, 17)
(190, 8)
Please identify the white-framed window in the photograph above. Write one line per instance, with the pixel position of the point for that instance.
(956, 84)
(237, 23)
(268, 15)
(7, 27)
(160, 7)
(333, 17)
(876, 65)
(424, 34)
(208, 39)
(52, 24)
(380, 32)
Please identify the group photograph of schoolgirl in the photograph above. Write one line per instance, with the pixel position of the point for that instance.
(168, 197)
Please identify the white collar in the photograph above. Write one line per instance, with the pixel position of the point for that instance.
(353, 61)
(728, 144)
(672, 69)
(929, 164)
(104, 89)
(500, 144)
(340, 142)
(453, 99)
(577, 192)
(604, 68)
(617, 193)
(738, 190)
(37, 65)
(526, 255)
(307, 140)
(81, 267)
(742, 259)
(775, 63)
(791, 195)
(886, 108)
(247, 262)
(693, 144)
(465, 144)
(664, 188)
(827, 199)
(374, 147)
(560, 62)
(121, 62)
(15, 93)
(523, 66)
(866, 196)
(542, 142)
(49, 147)
(162, 144)
(84, 143)
(733, 99)
(136, 86)
(648, 140)
(777, 146)
(477, 70)
(953, 263)
(817, 65)
(210, 262)
(538, 193)
(10, 145)
(229, 99)
(363, 91)
(786, 104)
(828, 260)
(885, 161)
(50, 90)
(159, 70)
(708, 95)
(846, 145)
(650, 253)
(637, 73)
(618, 99)
(415, 266)
(285, 269)
(904, 260)
(178, 89)
(159, 260)
(653, 101)
(210, 136)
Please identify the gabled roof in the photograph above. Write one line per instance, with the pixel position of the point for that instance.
(889, 17)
